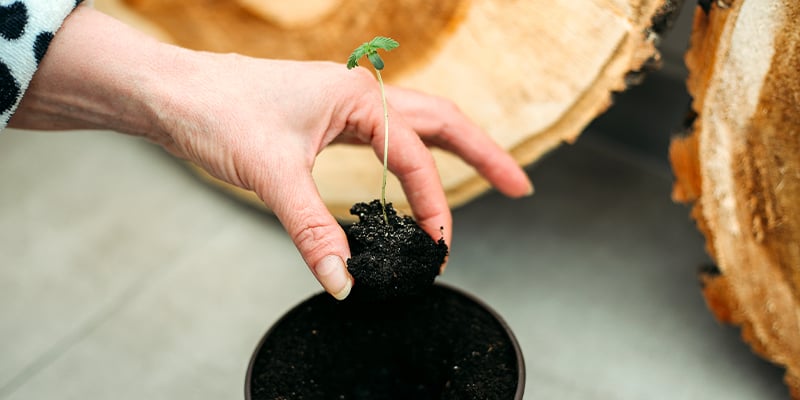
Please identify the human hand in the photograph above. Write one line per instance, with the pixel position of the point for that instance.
(259, 124)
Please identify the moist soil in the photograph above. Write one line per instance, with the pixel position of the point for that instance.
(390, 260)
(438, 344)
(396, 336)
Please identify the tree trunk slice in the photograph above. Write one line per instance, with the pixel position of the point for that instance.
(741, 169)
(533, 74)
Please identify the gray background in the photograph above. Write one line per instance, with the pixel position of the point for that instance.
(123, 276)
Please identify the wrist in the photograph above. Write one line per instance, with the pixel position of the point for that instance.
(97, 74)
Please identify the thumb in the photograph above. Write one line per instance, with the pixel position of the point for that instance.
(315, 232)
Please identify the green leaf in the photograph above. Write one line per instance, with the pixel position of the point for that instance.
(359, 52)
(385, 43)
(370, 49)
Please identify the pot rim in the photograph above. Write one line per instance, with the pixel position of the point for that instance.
(506, 328)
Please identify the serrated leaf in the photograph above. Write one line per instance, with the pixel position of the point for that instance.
(370, 49)
(383, 42)
(356, 55)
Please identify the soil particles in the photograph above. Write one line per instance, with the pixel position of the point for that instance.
(390, 260)
(438, 344)
(396, 336)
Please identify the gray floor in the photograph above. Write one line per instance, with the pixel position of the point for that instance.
(122, 276)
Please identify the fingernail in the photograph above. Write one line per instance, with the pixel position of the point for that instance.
(530, 190)
(332, 273)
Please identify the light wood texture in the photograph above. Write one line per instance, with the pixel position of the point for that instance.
(291, 14)
(533, 74)
(741, 169)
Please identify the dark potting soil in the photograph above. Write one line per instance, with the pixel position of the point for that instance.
(397, 336)
(439, 344)
(390, 260)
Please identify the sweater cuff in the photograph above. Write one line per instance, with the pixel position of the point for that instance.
(26, 29)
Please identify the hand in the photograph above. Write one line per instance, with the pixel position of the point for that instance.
(259, 124)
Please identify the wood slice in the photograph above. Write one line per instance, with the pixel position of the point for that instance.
(532, 73)
(741, 169)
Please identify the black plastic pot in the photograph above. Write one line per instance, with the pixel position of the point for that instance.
(445, 344)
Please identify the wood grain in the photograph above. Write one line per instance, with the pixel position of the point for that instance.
(533, 74)
(741, 169)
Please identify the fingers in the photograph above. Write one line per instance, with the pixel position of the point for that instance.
(317, 235)
(411, 161)
(439, 122)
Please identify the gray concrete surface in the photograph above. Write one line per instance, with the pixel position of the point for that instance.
(123, 276)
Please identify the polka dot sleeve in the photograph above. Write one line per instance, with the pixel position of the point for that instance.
(26, 29)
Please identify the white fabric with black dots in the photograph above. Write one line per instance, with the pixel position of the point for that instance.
(26, 29)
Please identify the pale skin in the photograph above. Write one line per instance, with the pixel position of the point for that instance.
(258, 124)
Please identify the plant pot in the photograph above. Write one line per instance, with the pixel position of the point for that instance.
(443, 344)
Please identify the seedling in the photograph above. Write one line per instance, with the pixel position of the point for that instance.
(370, 49)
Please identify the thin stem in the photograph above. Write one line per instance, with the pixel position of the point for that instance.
(385, 146)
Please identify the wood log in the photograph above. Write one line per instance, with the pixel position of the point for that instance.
(532, 73)
(741, 169)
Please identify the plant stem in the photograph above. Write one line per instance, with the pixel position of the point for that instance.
(385, 146)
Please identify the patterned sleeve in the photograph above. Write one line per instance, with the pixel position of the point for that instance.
(26, 29)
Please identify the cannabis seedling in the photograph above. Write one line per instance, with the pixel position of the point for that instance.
(370, 49)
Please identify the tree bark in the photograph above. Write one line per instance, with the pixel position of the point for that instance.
(741, 169)
(532, 73)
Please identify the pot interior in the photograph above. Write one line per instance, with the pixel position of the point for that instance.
(443, 344)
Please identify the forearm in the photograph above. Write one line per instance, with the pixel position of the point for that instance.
(97, 74)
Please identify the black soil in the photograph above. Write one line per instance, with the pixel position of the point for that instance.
(437, 345)
(390, 260)
(397, 336)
